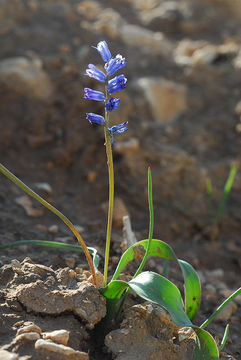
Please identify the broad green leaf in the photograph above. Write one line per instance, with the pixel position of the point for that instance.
(206, 347)
(157, 289)
(163, 250)
(192, 289)
(92, 250)
(114, 289)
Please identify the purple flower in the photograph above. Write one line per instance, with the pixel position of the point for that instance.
(117, 84)
(93, 95)
(95, 73)
(94, 118)
(115, 64)
(117, 129)
(104, 51)
(112, 104)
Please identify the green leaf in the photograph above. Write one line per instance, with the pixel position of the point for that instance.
(225, 337)
(206, 347)
(161, 249)
(157, 289)
(92, 250)
(192, 289)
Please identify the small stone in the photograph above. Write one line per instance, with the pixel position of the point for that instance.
(29, 328)
(70, 262)
(79, 228)
(59, 336)
(227, 312)
(41, 228)
(128, 146)
(167, 99)
(147, 40)
(44, 188)
(186, 333)
(67, 352)
(29, 336)
(26, 76)
(26, 203)
(118, 213)
(210, 292)
(53, 229)
(238, 108)
(6, 355)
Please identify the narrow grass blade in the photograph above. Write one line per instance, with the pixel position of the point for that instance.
(226, 191)
(225, 337)
(220, 308)
(151, 224)
(92, 250)
(67, 222)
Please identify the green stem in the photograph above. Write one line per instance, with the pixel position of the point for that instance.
(151, 224)
(18, 182)
(220, 308)
(111, 193)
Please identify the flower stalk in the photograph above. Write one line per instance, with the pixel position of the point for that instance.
(118, 83)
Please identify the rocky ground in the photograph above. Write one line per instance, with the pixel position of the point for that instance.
(183, 105)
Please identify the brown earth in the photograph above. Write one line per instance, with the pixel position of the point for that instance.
(183, 105)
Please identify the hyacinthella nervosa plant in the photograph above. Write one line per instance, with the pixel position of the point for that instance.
(150, 286)
(112, 86)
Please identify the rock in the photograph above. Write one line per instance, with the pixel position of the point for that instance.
(29, 328)
(128, 146)
(53, 229)
(26, 77)
(146, 40)
(89, 9)
(164, 17)
(58, 350)
(6, 355)
(237, 61)
(45, 188)
(28, 336)
(26, 203)
(167, 99)
(186, 49)
(147, 332)
(59, 336)
(205, 55)
(119, 211)
(44, 291)
(186, 333)
(227, 312)
(238, 108)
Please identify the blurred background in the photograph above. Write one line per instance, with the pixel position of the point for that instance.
(182, 102)
(183, 105)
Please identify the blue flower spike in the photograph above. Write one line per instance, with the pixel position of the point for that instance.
(94, 95)
(104, 51)
(94, 118)
(112, 104)
(115, 64)
(95, 73)
(117, 84)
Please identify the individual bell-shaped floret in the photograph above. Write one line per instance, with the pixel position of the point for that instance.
(95, 73)
(117, 84)
(95, 118)
(115, 64)
(94, 95)
(112, 104)
(104, 51)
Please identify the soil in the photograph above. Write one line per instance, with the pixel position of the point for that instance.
(183, 105)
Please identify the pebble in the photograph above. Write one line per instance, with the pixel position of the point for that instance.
(60, 336)
(45, 188)
(29, 336)
(185, 333)
(26, 203)
(6, 355)
(53, 229)
(227, 312)
(167, 99)
(29, 328)
(60, 349)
